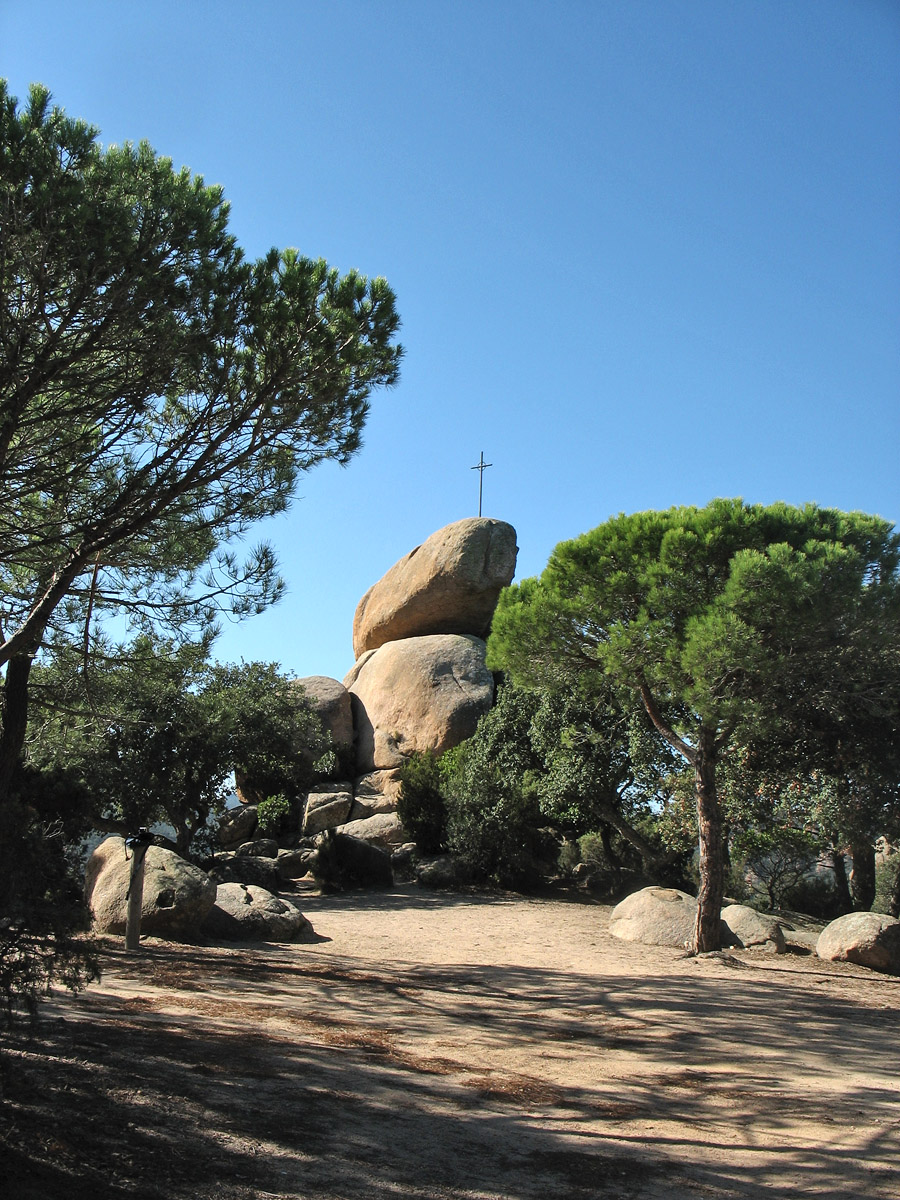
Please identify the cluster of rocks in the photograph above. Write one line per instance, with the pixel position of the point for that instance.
(659, 916)
(420, 682)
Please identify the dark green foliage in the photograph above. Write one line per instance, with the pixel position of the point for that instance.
(736, 625)
(157, 734)
(420, 805)
(273, 813)
(43, 913)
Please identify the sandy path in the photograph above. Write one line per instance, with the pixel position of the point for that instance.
(492, 1048)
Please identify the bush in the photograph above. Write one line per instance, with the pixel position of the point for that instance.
(420, 805)
(885, 884)
(814, 895)
(272, 814)
(43, 912)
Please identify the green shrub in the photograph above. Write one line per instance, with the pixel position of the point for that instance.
(420, 805)
(885, 884)
(273, 813)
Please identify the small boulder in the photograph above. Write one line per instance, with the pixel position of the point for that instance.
(248, 868)
(325, 810)
(260, 848)
(655, 916)
(384, 829)
(177, 896)
(294, 864)
(750, 929)
(421, 693)
(236, 825)
(247, 913)
(449, 584)
(866, 938)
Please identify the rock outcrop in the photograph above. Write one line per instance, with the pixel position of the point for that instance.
(177, 896)
(449, 584)
(422, 693)
(866, 938)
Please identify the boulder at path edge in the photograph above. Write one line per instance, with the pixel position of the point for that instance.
(866, 938)
(177, 896)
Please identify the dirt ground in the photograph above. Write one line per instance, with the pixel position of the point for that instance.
(457, 1047)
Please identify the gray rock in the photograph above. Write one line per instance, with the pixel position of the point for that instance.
(655, 916)
(865, 938)
(176, 898)
(753, 930)
(325, 810)
(422, 693)
(370, 806)
(247, 913)
(260, 848)
(294, 864)
(236, 825)
(248, 868)
(449, 584)
(384, 829)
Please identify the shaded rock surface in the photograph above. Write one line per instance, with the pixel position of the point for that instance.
(346, 861)
(245, 912)
(865, 938)
(449, 584)
(177, 896)
(237, 825)
(422, 693)
(247, 868)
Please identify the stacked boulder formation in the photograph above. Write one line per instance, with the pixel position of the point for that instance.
(419, 683)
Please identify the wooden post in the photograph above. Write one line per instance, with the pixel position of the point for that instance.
(135, 894)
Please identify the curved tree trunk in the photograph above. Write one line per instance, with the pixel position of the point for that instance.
(707, 931)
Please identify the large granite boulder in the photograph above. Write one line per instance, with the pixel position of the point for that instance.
(449, 584)
(421, 693)
(244, 912)
(325, 810)
(752, 930)
(331, 702)
(177, 896)
(655, 916)
(259, 869)
(384, 829)
(865, 938)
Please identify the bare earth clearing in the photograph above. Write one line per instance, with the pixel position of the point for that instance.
(462, 1048)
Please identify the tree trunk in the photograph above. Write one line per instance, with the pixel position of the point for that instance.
(895, 895)
(862, 877)
(707, 931)
(841, 883)
(15, 719)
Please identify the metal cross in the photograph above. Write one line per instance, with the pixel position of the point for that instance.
(480, 467)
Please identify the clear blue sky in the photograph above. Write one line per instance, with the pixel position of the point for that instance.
(646, 252)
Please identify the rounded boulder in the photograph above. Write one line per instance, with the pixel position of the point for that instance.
(655, 916)
(449, 584)
(421, 693)
(865, 938)
(177, 896)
